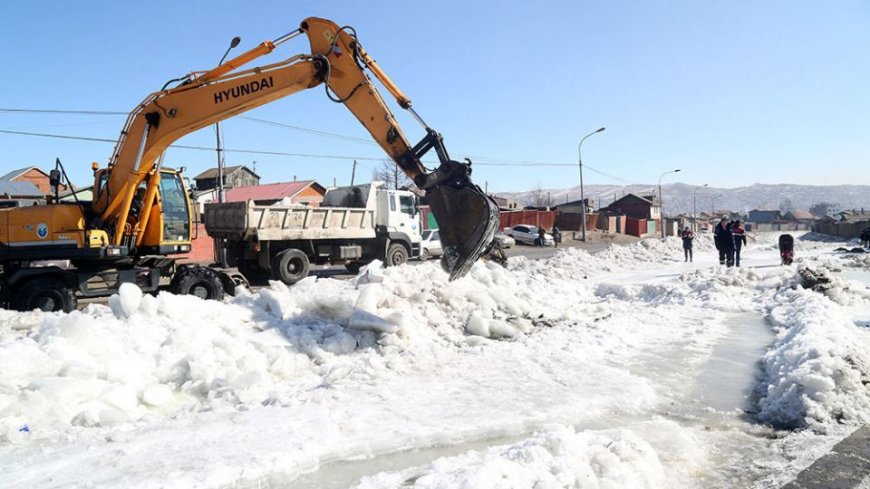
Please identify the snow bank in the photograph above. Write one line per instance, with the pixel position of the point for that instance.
(651, 454)
(146, 355)
(354, 361)
(556, 457)
(818, 372)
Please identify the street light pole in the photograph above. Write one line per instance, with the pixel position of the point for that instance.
(662, 201)
(713, 204)
(217, 132)
(695, 208)
(582, 195)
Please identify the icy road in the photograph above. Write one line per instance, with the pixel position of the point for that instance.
(627, 368)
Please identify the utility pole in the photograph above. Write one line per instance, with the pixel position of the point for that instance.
(353, 173)
(695, 208)
(662, 201)
(582, 196)
(222, 196)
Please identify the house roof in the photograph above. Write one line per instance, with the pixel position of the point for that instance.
(573, 203)
(801, 214)
(228, 170)
(272, 191)
(631, 196)
(19, 189)
(17, 173)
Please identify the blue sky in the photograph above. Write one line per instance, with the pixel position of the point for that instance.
(731, 92)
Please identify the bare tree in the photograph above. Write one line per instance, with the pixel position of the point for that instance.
(786, 205)
(538, 198)
(389, 172)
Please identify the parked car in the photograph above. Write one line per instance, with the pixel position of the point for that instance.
(503, 241)
(430, 245)
(524, 233)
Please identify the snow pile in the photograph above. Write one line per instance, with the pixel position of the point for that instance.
(146, 355)
(285, 380)
(818, 372)
(556, 457)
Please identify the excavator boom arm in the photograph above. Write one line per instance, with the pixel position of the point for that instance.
(467, 217)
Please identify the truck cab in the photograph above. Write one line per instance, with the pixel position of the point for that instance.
(398, 214)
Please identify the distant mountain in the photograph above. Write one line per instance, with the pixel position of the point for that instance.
(678, 197)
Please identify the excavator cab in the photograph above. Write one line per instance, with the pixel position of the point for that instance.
(159, 220)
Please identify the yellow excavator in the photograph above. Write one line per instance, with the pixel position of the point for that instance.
(141, 214)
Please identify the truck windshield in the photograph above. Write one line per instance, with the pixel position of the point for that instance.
(406, 203)
(176, 214)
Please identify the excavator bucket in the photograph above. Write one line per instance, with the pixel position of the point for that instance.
(468, 220)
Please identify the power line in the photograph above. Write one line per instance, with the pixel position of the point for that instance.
(198, 148)
(55, 111)
(310, 131)
(488, 161)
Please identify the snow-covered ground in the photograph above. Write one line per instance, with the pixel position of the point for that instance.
(627, 368)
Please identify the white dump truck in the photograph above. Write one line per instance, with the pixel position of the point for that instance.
(353, 226)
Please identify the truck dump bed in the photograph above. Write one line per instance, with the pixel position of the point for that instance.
(289, 222)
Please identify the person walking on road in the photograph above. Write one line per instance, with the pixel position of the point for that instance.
(541, 234)
(724, 243)
(557, 236)
(739, 236)
(688, 236)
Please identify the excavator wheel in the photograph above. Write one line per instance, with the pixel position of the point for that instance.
(45, 294)
(199, 281)
(397, 254)
(290, 266)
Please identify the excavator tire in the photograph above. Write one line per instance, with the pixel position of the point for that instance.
(45, 294)
(290, 266)
(198, 281)
(397, 254)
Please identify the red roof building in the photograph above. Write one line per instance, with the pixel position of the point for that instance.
(301, 192)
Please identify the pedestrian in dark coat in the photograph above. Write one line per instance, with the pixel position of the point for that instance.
(557, 236)
(739, 236)
(865, 238)
(688, 236)
(724, 243)
(541, 234)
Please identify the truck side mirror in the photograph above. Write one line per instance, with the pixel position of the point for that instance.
(54, 178)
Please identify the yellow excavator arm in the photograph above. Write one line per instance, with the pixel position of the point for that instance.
(467, 217)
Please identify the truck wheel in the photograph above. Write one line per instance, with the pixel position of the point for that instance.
(397, 254)
(198, 281)
(290, 266)
(44, 294)
(424, 254)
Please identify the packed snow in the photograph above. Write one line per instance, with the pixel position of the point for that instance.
(574, 371)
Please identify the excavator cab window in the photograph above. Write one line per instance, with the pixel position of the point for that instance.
(176, 211)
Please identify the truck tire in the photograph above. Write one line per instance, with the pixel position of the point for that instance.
(397, 254)
(290, 266)
(45, 294)
(198, 281)
(424, 254)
